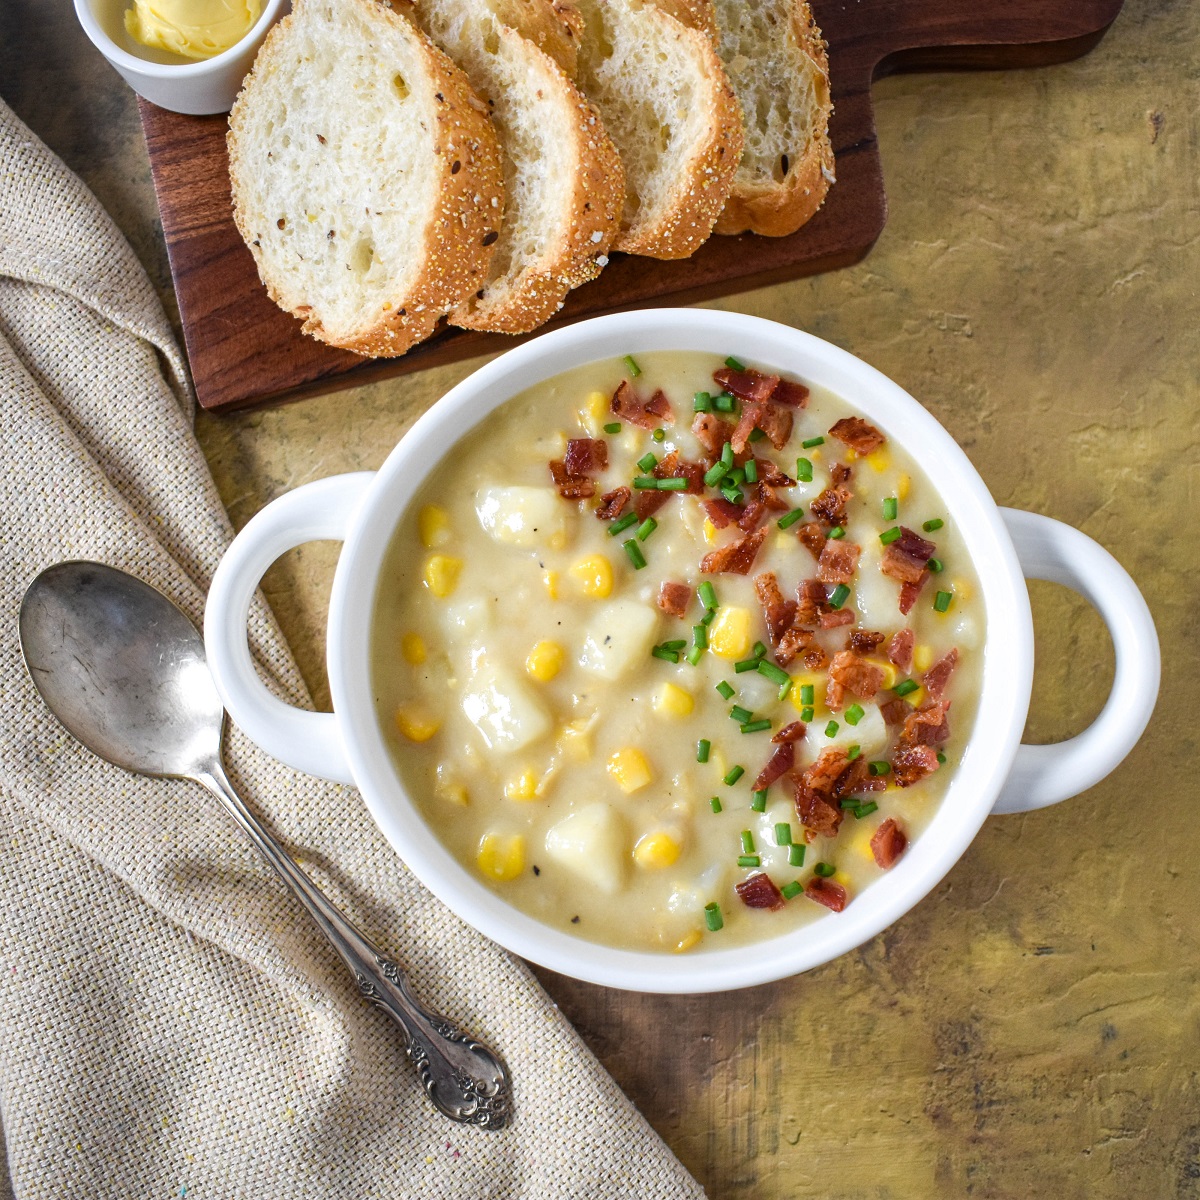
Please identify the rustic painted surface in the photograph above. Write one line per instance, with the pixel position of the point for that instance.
(1033, 1028)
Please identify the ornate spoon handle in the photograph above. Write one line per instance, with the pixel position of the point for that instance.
(463, 1078)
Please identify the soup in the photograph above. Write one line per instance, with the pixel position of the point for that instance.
(666, 652)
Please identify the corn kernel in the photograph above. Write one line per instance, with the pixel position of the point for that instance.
(815, 455)
(558, 540)
(817, 682)
(729, 634)
(917, 698)
(550, 580)
(545, 661)
(880, 460)
(710, 532)
(501, 856)
(851, 454)
(575, 739)
(686, 942)
(842, 878)
(594, 413)
(415, 725)
(433, 522)
(523, 787)
(890, 674)
(412, 646)
(902, 486)
(452, 792)
(922, 657)
(594, 575)
(672, 701)
(861, 842)
(961, 589)
(629, 769)
(441, 574)
(656, 850)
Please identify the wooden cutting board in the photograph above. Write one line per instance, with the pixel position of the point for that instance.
(243, 350)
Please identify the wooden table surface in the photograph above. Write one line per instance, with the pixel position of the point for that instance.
(1032, 1028)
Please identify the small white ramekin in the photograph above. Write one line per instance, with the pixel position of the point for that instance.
(996, 774)
(196, 88)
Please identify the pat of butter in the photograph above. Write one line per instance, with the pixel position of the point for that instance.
(191, 28)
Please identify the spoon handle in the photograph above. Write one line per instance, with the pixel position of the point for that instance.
(463, 1078)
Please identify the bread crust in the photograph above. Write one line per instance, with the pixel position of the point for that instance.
(461, 231)
(778, 209)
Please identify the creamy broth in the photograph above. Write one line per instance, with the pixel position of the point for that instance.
(547, 735)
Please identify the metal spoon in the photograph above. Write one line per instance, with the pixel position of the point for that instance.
(124, 670)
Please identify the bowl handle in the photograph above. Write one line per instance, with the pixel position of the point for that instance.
(1044, 775)
(317, 511)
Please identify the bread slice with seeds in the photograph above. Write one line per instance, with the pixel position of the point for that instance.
(652, 71)
(563, 182)
(775, 58)
(366, 176)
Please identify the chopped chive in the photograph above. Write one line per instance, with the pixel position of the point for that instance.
(736, 477)
(759, 650)
(707, 594)
(733, 775)
(758, 801)
(724, 402)
(836, 532)
(665, 654)
(796, 854)
(676, 644)
(865, 810)
(700, 637)
(817, 441)
(747, 841)
(905, 687)
(755, 435)
(888, 536)
(879, 767)
(853, 753)
(850, 804)
(725, 690)
(789, 519)
(930, 526)
(644, 483)
(694, 654)
(613, 427)
(632, 367)
(941, 757)
(784, 688)
(935, 565)
(732, 493)
(839, 596)
(659, 435)
(791, 890)
(624, 523)
(773, 673)
(806, 693)
(713, 918)
(751, 468)
(673, 484)
(745, 664)
(647, 462)
(783, 833)
(854, 714)
(635, 554)
(715, 804)
(941, 601)
(646, 528)
(806, 714)
(733, 364)
(891, 507)
(749, 860)
(740, 714)
(701, 402)
(756, 726)
(804, 470)
(727, 455)
(715, 474)
(824, 869)
(703, 746)
(707, 619)
(831, 729)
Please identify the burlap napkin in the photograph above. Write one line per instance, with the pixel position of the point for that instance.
(170, 1023)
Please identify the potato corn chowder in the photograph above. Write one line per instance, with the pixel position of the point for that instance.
(665, 651)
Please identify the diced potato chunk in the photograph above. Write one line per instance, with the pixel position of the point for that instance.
(629, 768)
(869, 735)
(522, 516)
(591, 843)
(729, 634)
(501, 856)
(876, 597)
(619, 640)
(504, 709)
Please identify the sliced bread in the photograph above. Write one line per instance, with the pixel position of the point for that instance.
(366, 176)
(563, 182)
(665, 101)
(775, 58)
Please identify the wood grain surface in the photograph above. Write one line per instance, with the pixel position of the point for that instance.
(243, 350)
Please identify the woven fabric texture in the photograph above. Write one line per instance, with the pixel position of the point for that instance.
(171, 1024)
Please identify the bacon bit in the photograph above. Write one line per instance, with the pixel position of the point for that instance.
(770, 474)
(736, 558)
(857, 780)
(815, 659)
(712, 432)
(774, 421)
(900, 649)
(826, 892)
(836, 618)
(838, 561)
(830, 505)
(839, 473)
(767, 497)
(928, 725)
(813, 601)
(751, 515)
(818, 814)
(571, 487)
(813, 537)
(909, 593)
(612, 504)
(648, 501)
(895, 710)
(905, 559)
(649, 414)
(779, 764)
(748, 384)
(586, 456)
(936, 678)
(759, 891)
(849, 673)
(674, 467)
(791, 643)
(778, 612)
(858, 434)
(721, 512)
(823, 774)
(863, 641)
(674, 598)
(913, 764)
(794, 732)
(794, 395)
(888, 843)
